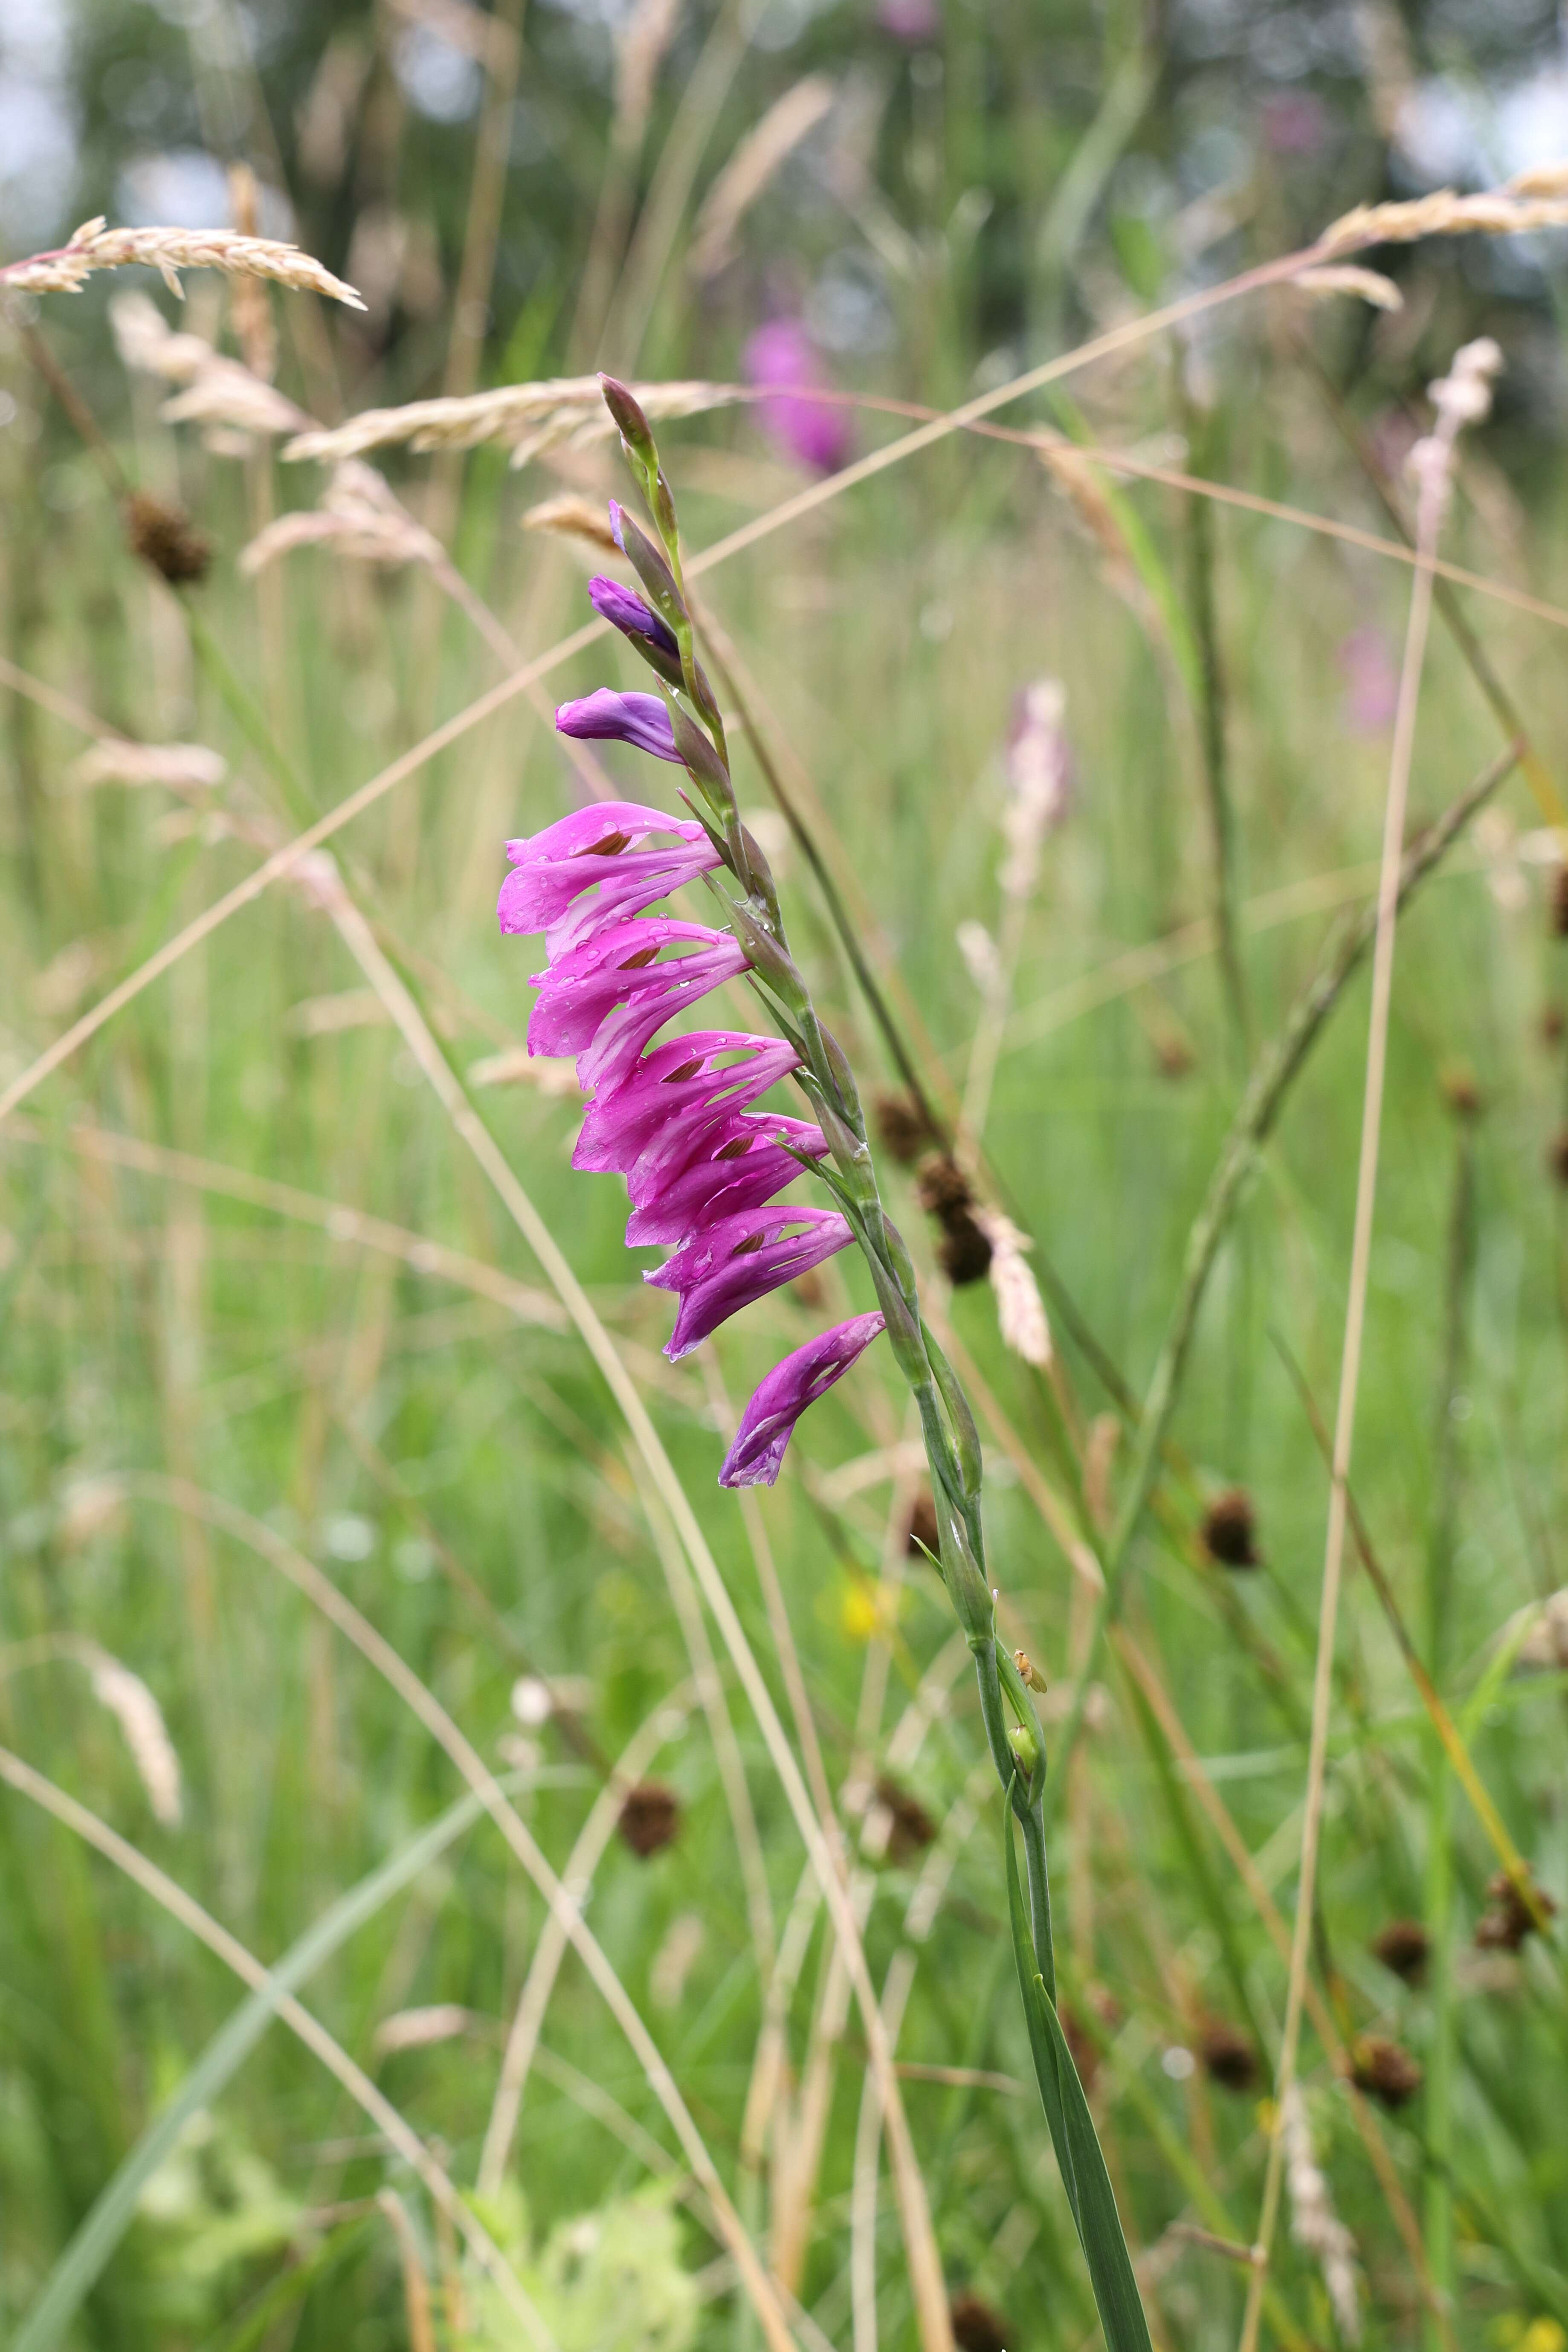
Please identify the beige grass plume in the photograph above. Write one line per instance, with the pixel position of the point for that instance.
(1498, 211)
(1344, 277)
(1314, 2224)
(181, 767)
(360, 516)
(1020, 1310)
(95, 245)
(570, 516)
(529, 418)
(787, 121)
(219, 394)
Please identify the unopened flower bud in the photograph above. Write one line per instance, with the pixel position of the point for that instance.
(1026, 1749)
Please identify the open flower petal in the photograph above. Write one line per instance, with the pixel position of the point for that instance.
(768, 1422)
(607, 716)
(740, 1259)
(673, 1097)
(597, 850)
(741, 1164)
(605, 1000)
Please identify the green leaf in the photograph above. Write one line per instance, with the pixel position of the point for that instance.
(114, 2209)
(1077, 2143)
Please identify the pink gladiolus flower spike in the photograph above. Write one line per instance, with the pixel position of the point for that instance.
(768, 1422)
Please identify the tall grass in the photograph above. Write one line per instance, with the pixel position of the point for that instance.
(308, 1334)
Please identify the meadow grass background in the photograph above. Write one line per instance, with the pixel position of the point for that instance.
(458, 1469)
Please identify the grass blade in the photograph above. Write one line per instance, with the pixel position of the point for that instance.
(82, 2260)
(1077, 2143)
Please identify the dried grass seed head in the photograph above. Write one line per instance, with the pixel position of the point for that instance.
(1315, 2226)
(563, 411)
(650, 1818)
(910, 1828)
(903, 1129)
(1228, 1530)
(1384, 2071)
(95, 245)
(1229, 2057)
(977, 2327)
(166, 539)
(181, 767)
(1510, 1921)
(1404, 1946)
(923, 1535)
(1020, 1310)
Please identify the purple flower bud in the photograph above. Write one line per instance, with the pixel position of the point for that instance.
(768, 1422)
(781, 360)
(741, 1164)
(729, 1264)
(665, 1110)
(597, 846)
(607, 716)
(605, 1000)
(625, 610)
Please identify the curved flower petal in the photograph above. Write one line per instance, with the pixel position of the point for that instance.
(768, 1422)
(605, 1000)
(740, 1164)
(607, 716)
(673, 1097)
(740, 1259)
(599, 848)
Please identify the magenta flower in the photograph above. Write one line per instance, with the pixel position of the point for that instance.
(742, 1163)
(607, 716)
(1370, 667)
(915, 22)
(781, 360)
(597, 846)
(725, 1266)
(768, 1422)
(670, 1101)
(625, 610)
(605, 1000)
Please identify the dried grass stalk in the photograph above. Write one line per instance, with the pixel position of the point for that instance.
(463, 26)
(182, 767)
(640, 52)
(1344, 277)
(416, 2029)
(1501, 212)
(529, 418)
(249, 304)
(95, 245)
(787, 121)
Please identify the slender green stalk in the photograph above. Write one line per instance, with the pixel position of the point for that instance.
(1214, 744)
(1259, 1108)
(1438, 2201)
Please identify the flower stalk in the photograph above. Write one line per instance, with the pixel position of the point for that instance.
(668, 1118)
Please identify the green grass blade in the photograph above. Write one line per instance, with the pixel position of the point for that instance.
(1077, 2143)
(82, 2260)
